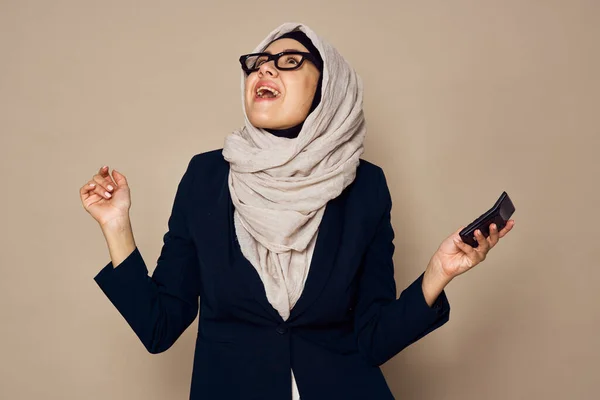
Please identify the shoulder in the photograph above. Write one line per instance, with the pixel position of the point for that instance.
(206, 170)
(370, 176)
(209, 158)
(369, 191)
(369, 169)
(208, 163)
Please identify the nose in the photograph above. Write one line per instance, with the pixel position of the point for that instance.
(268, 68)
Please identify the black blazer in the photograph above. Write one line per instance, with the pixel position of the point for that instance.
(347, 322)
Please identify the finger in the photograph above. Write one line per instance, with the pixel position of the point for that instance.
(485, 240)
(466, 248)
(484, 245)
(509, 225)
(99, 188)
(119, 178)
(493, 237)
(106, 183)
(88, 190)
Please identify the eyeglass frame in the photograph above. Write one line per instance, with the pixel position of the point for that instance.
(305, 56)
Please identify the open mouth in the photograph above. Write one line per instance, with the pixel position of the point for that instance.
(266, 92)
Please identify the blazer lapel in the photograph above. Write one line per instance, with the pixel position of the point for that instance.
(323, 260)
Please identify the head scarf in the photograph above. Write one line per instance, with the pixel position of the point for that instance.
(280, 187)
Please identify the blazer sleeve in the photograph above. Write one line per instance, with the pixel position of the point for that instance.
(384, 324)
(161, 307)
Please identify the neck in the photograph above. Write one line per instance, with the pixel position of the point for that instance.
(289, 133)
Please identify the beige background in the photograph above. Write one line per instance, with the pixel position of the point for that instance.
(464, 99)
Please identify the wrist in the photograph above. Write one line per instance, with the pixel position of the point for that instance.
(435, 272)
(116, 225)
(434, 282)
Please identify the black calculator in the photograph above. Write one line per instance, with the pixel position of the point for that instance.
(499, 214)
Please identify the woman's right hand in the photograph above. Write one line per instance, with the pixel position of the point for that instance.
(107, 200)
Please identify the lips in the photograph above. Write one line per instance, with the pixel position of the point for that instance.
(268, 84)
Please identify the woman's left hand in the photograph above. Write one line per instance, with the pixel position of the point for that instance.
(455, 257)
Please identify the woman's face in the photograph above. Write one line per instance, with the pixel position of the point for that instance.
(296, 90)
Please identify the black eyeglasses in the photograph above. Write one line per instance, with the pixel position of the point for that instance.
(287, 60)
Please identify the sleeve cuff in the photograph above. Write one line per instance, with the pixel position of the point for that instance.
(439, 308)
(133, 266)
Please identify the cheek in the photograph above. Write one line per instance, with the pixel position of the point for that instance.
(309, 86)
(308, 92)
(248, 92)
(247, 87)
(300, 90)
(249, 84)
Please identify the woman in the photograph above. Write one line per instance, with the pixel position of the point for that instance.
(285, 236)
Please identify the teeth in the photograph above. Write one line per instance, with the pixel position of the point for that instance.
(261, 91)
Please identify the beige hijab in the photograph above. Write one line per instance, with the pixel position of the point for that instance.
(280, 186)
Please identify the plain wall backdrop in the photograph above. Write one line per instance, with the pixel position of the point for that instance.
(463, 99)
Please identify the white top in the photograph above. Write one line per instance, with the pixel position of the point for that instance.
(295, 394)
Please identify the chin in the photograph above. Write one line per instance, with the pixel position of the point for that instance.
(262, 122)
(265, 121)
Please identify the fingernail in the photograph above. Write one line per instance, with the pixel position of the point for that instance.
(92, 184)
(110, 187)
(107, 194)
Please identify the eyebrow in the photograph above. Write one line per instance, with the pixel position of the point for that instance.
(283, 51)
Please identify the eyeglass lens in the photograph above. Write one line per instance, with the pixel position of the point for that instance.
(286, 61)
